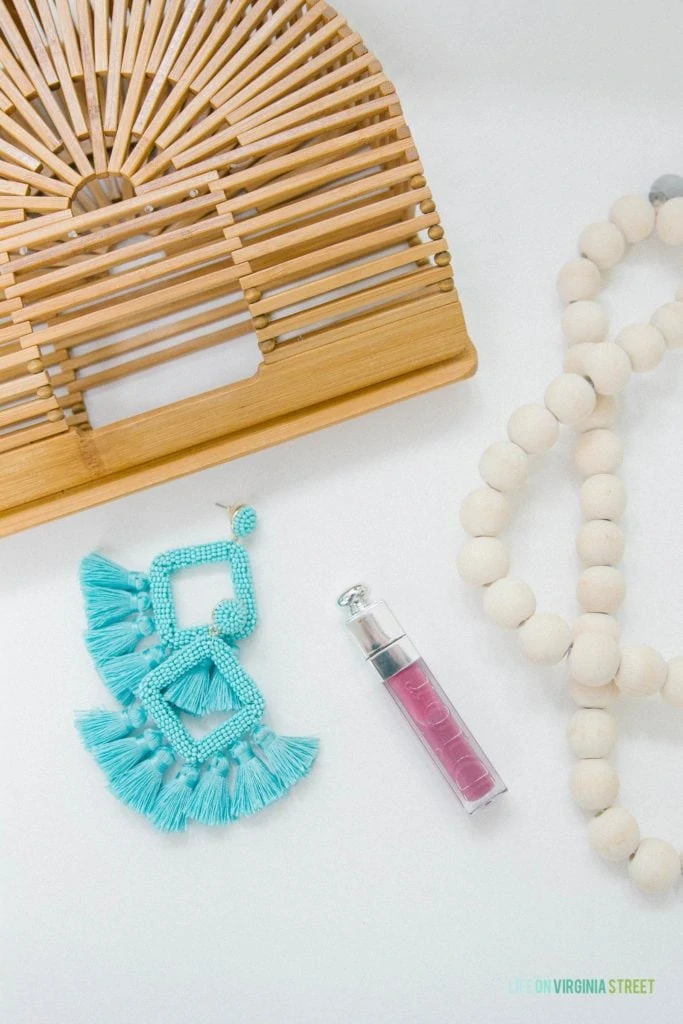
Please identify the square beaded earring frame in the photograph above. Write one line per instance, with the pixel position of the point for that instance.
(233, 620)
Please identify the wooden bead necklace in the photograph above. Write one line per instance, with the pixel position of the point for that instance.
(584, 398)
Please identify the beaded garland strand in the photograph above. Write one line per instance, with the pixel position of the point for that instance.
(234, 770)
(584, 398)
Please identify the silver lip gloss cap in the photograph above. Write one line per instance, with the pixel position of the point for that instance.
(377, 632)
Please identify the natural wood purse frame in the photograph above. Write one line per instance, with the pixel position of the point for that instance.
(156, 155)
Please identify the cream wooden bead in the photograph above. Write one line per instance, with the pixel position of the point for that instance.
(545, 638)
(578, 279)
(482, 560)
(575, 358)
(485, 512)
(509, 602)
(594, 784)
(608, 366)
(601, 588)
(668, 319)
(672, 691)
(600, 542)
(614, 834)
(603, 243)
(603, 415)
(655, 866)
(603, 496)
(593, 696)
(642, 671)
(598, 451)
(584, 320)
(593, 661)
(597, 622)
(570, 398)
(634, 216)
(533, 428)
(504, 466)
(591, 733)
(670, 221)
(644, 345)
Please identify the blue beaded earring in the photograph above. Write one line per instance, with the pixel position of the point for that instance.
(160, 672)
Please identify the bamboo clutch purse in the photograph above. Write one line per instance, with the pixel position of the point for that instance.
(183, 175)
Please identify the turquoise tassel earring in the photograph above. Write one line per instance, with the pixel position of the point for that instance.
(255, 787)
(288, 757)
(119, 756)
(101, 726)
(172, 809)
(153, 763)
(122, 675)
(122, 638)
(190, 691)
(105, 607)
(97, 571)
(211, 800)
(140, 785)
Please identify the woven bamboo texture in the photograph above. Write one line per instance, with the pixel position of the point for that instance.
(187, 173)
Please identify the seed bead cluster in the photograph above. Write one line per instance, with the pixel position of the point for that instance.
(170, 562)
(584, 398)
(151, 696)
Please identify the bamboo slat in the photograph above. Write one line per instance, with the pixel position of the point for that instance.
(176, 175)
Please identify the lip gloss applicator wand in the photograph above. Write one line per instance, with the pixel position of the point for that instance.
(430, 713)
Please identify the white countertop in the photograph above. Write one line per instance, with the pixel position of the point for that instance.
(369, 897)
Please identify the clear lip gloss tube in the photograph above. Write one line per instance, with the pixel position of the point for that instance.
(447, 739)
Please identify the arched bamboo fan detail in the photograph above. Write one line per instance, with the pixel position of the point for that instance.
(156, 155)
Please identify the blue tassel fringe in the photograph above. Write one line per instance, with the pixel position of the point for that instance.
(255, 787)
(98, 571)
(102, 726)
(189, 692)
(123, 675)
(289, 758)
(201, 691)
(172, 809)
(104, 607)
(120, 756)
(220, 696)
(211, 799)
(139, 786)
(122, 638)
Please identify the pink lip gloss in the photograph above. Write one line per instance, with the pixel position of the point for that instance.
(409, 680)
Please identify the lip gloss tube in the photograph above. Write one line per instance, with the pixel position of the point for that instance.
(430, 713)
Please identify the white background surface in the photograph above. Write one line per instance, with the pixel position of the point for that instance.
(368, 896)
